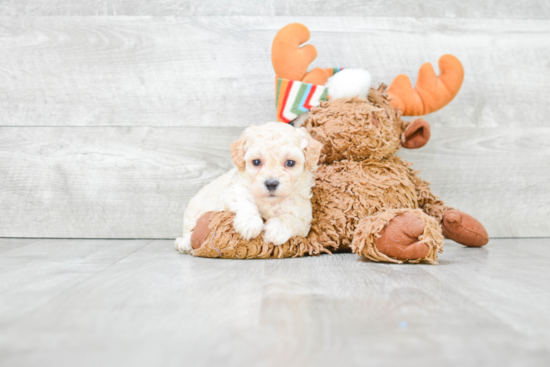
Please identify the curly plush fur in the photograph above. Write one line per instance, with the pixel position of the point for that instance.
(360, 187)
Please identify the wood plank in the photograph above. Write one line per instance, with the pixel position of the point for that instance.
(157, 307)
(57, 266)
(105, 182)
(216, 71)
(387, 313)
(498, 175)
(136, 182)
(532, 9)
(493, 285)
(8, 244)
(160, 296)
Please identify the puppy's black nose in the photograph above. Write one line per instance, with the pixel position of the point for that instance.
(271, 185)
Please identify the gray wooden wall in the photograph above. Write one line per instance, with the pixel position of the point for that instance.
(113, 113)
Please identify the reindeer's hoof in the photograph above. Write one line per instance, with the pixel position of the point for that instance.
(464, 229)
(200, 232)
(399, 239)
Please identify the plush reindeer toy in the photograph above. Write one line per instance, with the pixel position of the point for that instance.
(365, 199)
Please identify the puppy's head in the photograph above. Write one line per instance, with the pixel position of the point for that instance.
(276, 158)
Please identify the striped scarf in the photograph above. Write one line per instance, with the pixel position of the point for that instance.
(294, 98)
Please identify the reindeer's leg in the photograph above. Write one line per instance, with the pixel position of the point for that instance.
(214, 236)
(457, 226)
(464, 229)
(428, 202)
(399, 235)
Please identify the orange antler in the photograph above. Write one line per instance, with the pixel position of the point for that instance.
(290, 61)
(431, 92)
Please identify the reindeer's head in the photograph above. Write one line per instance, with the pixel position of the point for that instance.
(358, 128)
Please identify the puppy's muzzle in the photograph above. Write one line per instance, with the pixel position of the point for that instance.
(271, 185)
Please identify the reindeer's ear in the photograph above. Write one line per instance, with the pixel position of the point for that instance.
(416, 135)
(237, 153)
(312, 149)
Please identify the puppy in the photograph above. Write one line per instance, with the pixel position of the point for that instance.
(272, 181)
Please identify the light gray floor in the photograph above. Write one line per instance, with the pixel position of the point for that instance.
(139, 303)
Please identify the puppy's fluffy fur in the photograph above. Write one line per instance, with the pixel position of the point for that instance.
(272, 181)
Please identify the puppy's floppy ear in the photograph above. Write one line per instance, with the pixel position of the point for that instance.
(312, 149)
(237, 153)
(416, 135)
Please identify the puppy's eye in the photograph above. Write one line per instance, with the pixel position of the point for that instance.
(290, 163)
(256, 162)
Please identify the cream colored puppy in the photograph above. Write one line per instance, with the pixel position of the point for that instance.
(272, 181)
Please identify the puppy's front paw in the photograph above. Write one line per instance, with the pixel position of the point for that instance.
(276, 232)
(248, 225)
(183, 244)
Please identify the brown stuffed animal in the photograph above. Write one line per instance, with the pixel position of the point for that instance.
(365, 198)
